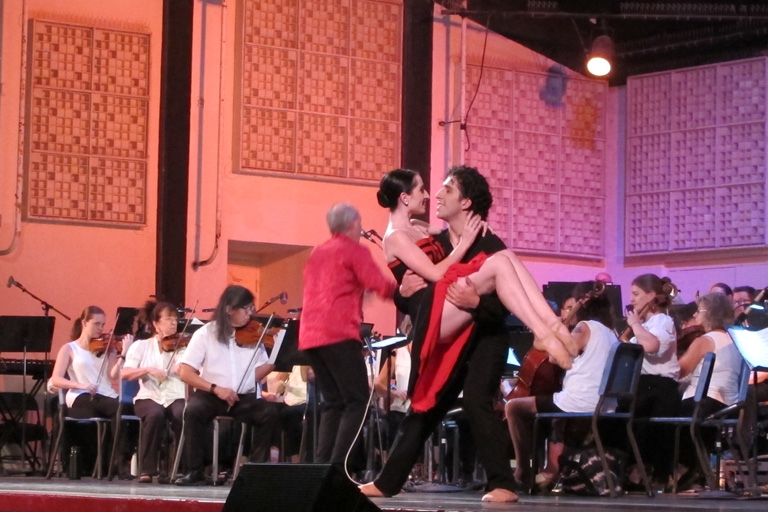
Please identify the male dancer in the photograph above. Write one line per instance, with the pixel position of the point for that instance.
(478, 371)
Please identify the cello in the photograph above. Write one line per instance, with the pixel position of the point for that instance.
(538, 375)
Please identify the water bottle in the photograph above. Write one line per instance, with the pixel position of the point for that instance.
(74, 463)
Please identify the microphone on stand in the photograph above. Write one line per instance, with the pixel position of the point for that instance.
(369, 235)
(13, 282)
(283, 298)
(208, 310)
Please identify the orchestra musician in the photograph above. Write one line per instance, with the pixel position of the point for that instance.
(161, 392)
(594, 334)
(657, 393)
(338, 272)
(86, 368)
(224, 375)
(715, 315)
(415, 256)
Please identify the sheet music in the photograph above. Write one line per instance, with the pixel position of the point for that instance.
(753, 346)
(276, 347)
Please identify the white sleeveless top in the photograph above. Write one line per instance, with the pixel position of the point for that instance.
(581, 384)
(84, 369)
(724, 385)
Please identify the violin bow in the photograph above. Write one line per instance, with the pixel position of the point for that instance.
(181, 335)
(106, 352)
(255, 351)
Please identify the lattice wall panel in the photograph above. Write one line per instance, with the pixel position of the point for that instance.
(324, 86)
(581, 224)
(270, 142)
(271, 23)
(270, 77)
(315, 72)
(372, 145)
(540, 160)
(322, 144)
(88, 123)
(697, 150)
(534, 221)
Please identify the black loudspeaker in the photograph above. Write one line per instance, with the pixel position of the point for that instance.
(295, 488)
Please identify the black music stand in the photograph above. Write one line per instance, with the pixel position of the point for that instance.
(25, 334)
(753, 347)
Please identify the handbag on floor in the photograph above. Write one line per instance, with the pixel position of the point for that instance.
(581, 471)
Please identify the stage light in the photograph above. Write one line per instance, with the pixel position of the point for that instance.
(599, 58)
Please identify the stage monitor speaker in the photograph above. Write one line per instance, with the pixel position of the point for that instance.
(295, 488)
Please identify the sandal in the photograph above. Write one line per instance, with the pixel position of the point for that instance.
(145, 479)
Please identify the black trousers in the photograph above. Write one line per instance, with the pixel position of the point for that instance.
(83, 436)
(479, 377)
(154, 418)
(656, 397)
(202, 407)
(343, 384)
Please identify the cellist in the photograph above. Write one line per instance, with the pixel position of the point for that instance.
(594, 335)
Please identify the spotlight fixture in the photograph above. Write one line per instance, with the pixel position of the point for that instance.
(599, 58)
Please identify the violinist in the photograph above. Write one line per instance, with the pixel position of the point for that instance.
(225, 375)
(715, 315)
(657, 393)
(161, 392)
(594, 334)
(85, 368)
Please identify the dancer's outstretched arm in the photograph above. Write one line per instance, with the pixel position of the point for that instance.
(398, 245)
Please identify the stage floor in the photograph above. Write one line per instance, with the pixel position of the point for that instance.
(35, 494)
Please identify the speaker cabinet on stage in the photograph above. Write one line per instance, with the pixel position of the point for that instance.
(295, 488)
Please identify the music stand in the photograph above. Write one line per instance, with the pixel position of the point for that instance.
(289, 354)
(26, 334)
(753, 347)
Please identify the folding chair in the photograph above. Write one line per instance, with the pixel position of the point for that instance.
(618, 386)
(128, 390)
(63, 419)
(693, 423)
(215, 463)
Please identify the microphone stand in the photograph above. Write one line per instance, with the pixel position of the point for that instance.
(45, 305)
(47, 309)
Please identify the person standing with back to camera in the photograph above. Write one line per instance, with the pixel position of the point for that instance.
(338, 272)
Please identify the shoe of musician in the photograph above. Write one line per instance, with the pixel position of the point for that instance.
(500, 495)
(194, 477)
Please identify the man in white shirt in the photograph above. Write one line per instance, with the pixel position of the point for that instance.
(225, 377)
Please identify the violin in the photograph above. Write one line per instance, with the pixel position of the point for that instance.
(175, 341)
(686, 337)
(99, 345)
(250, 334)
(668, 289)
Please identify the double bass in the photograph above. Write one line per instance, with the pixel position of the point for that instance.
(538, 375)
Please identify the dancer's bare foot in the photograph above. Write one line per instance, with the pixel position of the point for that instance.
(566, 338)
(371, 491)
(500, 495)
(556, 350)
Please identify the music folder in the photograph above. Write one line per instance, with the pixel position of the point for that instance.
(753, 346)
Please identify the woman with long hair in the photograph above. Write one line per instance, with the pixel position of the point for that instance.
(87, 373)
